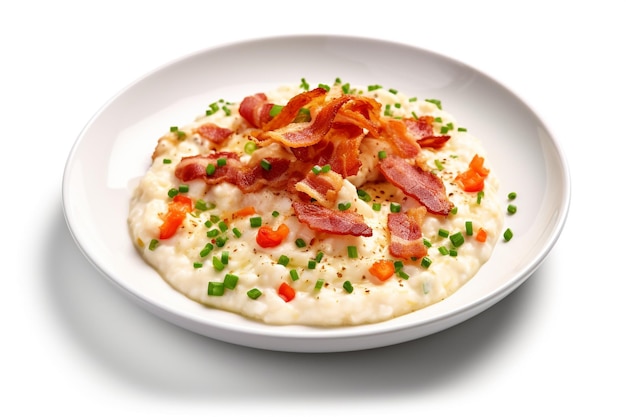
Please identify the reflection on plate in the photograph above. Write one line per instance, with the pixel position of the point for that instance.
(113, 152)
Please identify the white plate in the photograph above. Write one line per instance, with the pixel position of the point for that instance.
(114, 149)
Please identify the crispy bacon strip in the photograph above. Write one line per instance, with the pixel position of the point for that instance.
(405, 239)
(363, 112)
(322, 187)
(345, 156)
(291, 109)
(424, 186)
(422, 129)
(255, 109)
(297, 135)
(213, 132)
(247, 177)
(327, 220)
(395, 132)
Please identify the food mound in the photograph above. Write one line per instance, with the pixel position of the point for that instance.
(322, 206)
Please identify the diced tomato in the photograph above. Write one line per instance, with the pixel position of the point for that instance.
(481, 236)
(244, 212)
(382, 269)
(286, 292)
(473, 179)
(176, 212)
(268, 238)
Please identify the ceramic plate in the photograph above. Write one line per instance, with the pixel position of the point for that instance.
(113, 152)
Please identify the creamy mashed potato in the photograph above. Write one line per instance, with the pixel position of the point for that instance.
(213, 256)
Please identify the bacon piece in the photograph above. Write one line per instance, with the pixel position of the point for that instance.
(296, 135)
(322, 219)
(247, 177)
(405, 236)
(255, 109)
(213, 132)
(322, 187)
(292, 108)
(344, 158)
(363, 112)
(424, 186)
(395, 132)
(422, 129)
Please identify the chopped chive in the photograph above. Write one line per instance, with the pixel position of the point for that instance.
(153, 244)
(376, 206)
(206, 250)
(324, 86)
(345, 88)
(344, 206)
(461, 129)
(236, 232)
(256, 221)
(426, 262)
(220, 241)
(512, 209)
(230, 281)
(226, 110)
(224, 257)
(403, 275)
(443, 233)
(265, 164)
(221, 162)
(439, 165)
(454, 210)
(167, 161)
(201, 205)
(316, 169)
(183, 188)
(373, 87)
(363, 195)
(412, 99)
(395, 207)
(197, 265)
(210, 169)
(398, 265)
(347, 285)
(427, 243)
(457, 239)
(382, 154)
(393, 91)
(312, 264)
(217, 264)
(216, 288)
(512, 195)
(283, 260)
(212, 233)
(214, 218)
(254, 293)
(275, 213)
(453, 252)
(303, 84)
(319, 256)
(443, 250)
(173, 192)
(352, 252)
(479, 196)
(222, 226)
(469, 228)
(508, 234)
(276, 108)
(319, 284)
(435, 102)
(294, 275)
(388, 111)
(443, 130)
(249, 147)
(300, 243)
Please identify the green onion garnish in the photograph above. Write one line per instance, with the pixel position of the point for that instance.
(249, 147)
(300, 243)
(508, 234)
(256, 221)
(265, 164)
(352, 252)
(319, 284)
(197, 265)
(512, 209)
(512, 195)
(210, 169)
(426, 262)
(344, 206)
(283, 260)
(216, 288)
(153, 244)
(395, 207)
(443, 233)
(347, 285)
(230, 281)
(435, 102)
(254, 293)
(457, 239)
(469, 228)
(294, 275)
(172, 192)
(217, 264)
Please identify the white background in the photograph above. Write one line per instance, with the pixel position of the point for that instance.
(72, 343)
